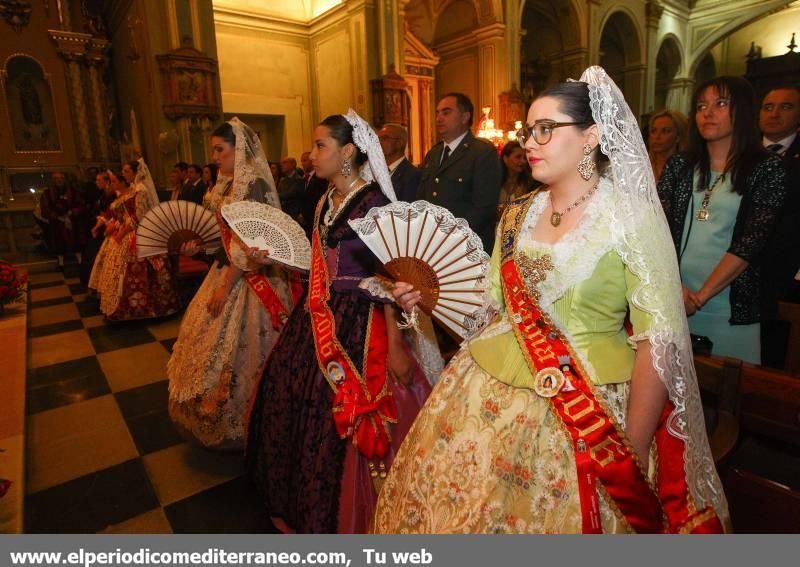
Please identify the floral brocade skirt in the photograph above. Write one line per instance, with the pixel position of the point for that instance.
(486, 457)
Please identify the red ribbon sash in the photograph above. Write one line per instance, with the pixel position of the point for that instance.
(363, 408)
(601, 452)
(260, 284)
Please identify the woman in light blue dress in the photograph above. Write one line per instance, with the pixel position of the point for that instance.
(722, 200)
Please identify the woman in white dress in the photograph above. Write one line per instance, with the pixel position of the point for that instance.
(228, 330)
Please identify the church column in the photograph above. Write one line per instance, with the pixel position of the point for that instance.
(679, 94)
(72, 47)
(635, 76)
(514, 40)
(97, 60)
(390, 34)
(653, 9)
(493, 72)
(64, 14)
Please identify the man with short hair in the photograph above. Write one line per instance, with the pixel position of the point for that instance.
(779, 120)
(305, 161)
(291, 189)
(405, 177)
(181, 171)
(462, 173)
(194, 188)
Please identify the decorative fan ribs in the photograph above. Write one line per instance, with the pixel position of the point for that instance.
(169, 225)
(426, 246)
(264, 227)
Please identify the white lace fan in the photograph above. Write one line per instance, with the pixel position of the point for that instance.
(426, 246)
(267, 228)
(167, 226)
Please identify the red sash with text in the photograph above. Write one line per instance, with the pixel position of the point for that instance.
(363, 408)
(602, 453)
(260, 285)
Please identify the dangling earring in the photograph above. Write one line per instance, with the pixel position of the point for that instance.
(586, 165)
(347, 169)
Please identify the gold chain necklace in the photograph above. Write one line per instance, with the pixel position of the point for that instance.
(703, 214)
(555, 218)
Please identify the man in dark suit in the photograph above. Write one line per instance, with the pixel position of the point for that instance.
(291, 189)
(462, 173)
(405, 177)
(181, 170)
(194, 188)
(779, 120)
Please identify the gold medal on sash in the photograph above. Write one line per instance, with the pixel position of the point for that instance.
(548, 382)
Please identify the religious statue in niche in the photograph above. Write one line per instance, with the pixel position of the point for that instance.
(30, 106)
(16, 13)
(189, 80)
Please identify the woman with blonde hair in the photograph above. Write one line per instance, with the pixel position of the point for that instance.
(667, 135)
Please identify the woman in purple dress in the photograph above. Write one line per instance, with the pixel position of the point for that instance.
(319, 440)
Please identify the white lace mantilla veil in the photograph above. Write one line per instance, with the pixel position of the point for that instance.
(250, 164)
(144, 178)
(423, 342)
(367, 141)
(648, 251)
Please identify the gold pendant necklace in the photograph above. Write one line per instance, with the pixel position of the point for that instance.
(555, 218)
(703, 214)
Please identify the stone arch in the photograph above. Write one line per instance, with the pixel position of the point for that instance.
(705, 69)
(621, 53)
(552, 45)
(705, 32)
(456, 18)
(669, 60)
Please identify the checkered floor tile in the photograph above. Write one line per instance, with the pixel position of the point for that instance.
(102, 454)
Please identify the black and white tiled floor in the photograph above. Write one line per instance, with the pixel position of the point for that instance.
(102, 455)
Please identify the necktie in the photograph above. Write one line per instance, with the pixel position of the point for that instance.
(775, 148)
(445, 154)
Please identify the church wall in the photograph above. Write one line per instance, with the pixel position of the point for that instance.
(459, 72)
(275, 82)
(333, 72)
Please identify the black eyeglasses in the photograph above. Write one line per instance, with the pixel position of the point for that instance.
(542, 131)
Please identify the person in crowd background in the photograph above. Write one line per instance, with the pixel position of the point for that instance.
(723, 200)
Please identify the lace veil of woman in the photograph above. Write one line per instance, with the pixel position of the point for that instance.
(649, 253)
(492, 445)
(217, 360)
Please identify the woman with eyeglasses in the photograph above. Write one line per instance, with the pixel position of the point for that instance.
(722, 200)
(552, 418)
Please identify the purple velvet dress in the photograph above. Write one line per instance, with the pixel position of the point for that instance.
(308, 476)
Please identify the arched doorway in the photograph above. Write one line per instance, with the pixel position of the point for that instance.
(550, 50)
(668, 63)
(706, 69)
(621, 57)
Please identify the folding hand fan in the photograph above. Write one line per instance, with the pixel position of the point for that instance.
(267, 228)
(167, 226)
(426, 246)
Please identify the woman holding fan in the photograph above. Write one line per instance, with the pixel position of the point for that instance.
(552, 419)
(342, 386)
(130, 288)
(235, 317)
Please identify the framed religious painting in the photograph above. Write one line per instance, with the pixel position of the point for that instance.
(189, 80)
